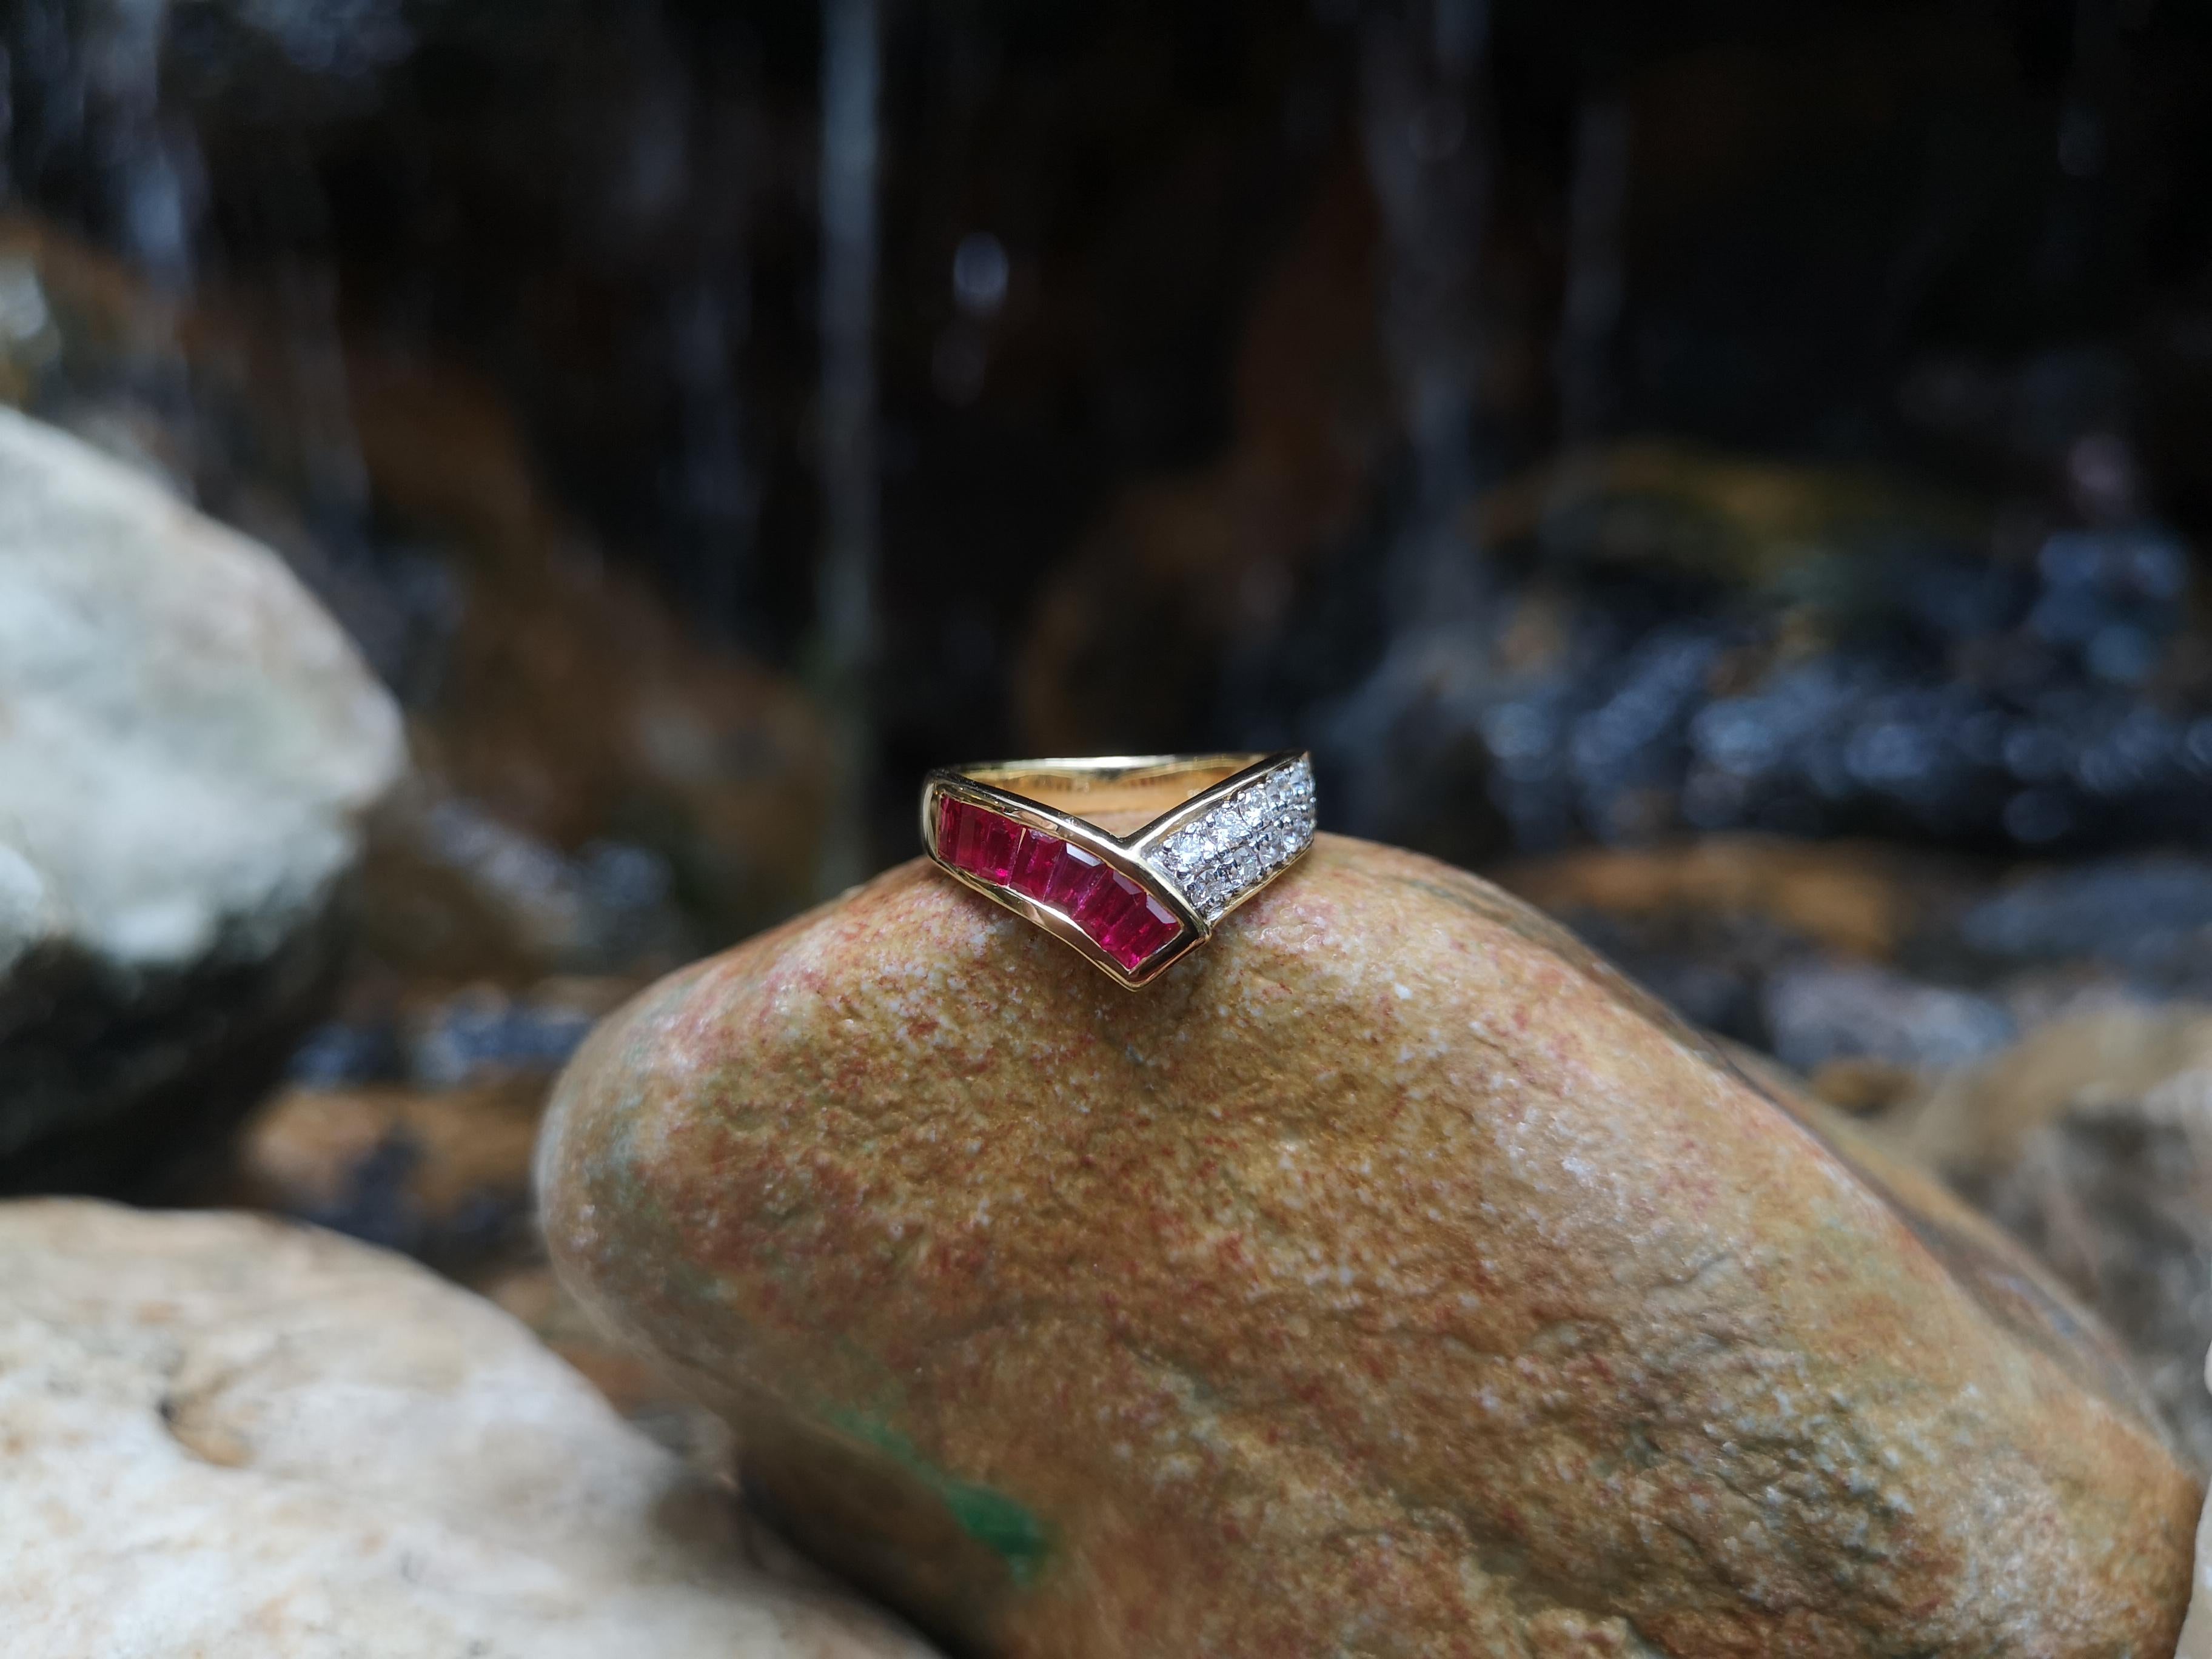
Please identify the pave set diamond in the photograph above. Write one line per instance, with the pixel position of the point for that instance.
(1218, 858)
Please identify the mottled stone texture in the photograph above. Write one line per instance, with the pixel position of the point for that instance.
(225, 1437)
(1387, 1280)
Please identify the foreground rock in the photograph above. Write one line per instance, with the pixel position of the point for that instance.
(187, 745)
(230, 1436)
(1389, 1279)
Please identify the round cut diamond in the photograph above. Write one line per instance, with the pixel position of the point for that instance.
(1184, 851)
(1220, 857)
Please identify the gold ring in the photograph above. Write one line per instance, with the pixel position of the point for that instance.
(1200, 834)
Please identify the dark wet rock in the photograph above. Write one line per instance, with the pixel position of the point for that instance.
(483, 1033)
(1819, 1013)
(2092, 1140)
(1735, 646)
(2149, 920)
(1876, 972)
(1658, 639)
(1722, 927)
(438, 1039)
(411, 1125)
(1796, 277)
(464, 893)
(188, 749)
(441, 1174)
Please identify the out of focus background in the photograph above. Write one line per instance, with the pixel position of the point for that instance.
(1740, 475)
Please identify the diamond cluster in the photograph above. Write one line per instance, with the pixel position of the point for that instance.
(1218, 858)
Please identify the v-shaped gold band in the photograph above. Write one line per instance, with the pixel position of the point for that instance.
(1131, 858)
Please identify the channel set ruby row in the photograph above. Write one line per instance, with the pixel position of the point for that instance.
(1121, 918)
(1211, 862)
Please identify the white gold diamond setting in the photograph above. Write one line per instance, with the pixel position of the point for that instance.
(1243, 840)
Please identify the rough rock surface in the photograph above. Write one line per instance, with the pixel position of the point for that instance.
(1388, 1280)
(187, 744)
(230, 1436)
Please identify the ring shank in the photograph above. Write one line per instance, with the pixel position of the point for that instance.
(1148, 784)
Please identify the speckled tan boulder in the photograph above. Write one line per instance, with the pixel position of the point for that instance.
(1387, 1280)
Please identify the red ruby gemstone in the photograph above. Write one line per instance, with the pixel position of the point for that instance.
(1106, 904)
(952, 818)
(1078, 875)
(977, 840)
(1140, 931)
(1035, 862)
(996, 837)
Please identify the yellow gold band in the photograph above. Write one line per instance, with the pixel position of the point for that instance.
(1134, 860)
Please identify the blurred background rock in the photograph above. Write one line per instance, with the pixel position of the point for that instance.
(1740, 477)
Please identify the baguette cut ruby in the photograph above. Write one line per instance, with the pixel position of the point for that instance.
(1117, 915)
(1113, 934)
(1034, 864)
(1071, 885)
(977, 839)
(997, 839)
(952, 825)
(1145, 928)
(1108, 903)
